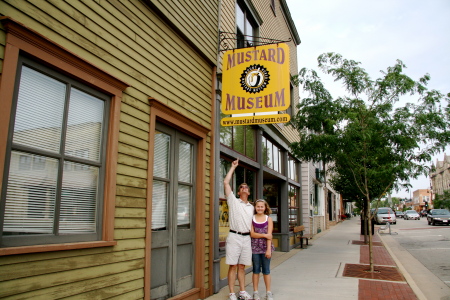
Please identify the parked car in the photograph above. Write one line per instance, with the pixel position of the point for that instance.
(438, 216)
(384, 215)
(423, 213)
(399, 214)
(411, 215)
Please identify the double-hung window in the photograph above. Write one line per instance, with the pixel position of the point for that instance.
(58, 146)
(55, 160)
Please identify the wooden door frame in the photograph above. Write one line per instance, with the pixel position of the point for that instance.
(159, 112)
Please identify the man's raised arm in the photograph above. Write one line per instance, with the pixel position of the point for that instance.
(226, 181)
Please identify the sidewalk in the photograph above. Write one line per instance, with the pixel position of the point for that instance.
(335, 266)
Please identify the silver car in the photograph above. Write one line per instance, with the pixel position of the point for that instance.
(384, 215)
(411, 215)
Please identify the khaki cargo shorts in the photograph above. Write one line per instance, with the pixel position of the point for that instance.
(238, 249)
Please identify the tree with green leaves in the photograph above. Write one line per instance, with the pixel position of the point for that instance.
(372, 145)
(442, 201)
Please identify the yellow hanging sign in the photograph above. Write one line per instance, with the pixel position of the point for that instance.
(256, 80)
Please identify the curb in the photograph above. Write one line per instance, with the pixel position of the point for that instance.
(404, 272)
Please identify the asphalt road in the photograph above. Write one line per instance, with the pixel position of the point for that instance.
(430, 245)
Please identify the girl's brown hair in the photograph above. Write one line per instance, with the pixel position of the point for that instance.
(267, 211)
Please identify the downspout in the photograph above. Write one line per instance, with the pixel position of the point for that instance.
(212, 212)
(215, 152)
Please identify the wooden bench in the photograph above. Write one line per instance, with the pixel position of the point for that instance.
(298, 231)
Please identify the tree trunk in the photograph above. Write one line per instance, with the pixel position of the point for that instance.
(369, 225)
(365, 221)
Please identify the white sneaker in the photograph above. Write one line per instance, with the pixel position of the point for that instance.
(232, 297)
(256, 296)
(269, 296)
(244, 296)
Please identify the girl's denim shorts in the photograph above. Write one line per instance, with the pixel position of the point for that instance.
(261, 263)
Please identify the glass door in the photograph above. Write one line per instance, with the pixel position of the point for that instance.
(173, 207)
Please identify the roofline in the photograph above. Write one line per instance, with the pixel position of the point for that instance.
(290, 22)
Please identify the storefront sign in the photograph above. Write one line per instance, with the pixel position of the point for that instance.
(256, 81)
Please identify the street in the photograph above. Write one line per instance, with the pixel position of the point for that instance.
(428, 244)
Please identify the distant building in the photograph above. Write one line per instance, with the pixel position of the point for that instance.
(440, 176)
(421, 199)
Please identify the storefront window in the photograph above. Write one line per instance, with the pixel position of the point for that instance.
(271, 195)
(241, 174)
(316, 199)
(271, 155)
(293, 170)
(240, 139)
(293, 205)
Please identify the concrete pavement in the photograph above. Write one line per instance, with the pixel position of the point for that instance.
(425, 284)
(317, 272)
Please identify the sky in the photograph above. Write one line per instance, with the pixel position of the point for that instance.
(377, 33)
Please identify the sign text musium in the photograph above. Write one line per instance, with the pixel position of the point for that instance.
(274, 55)
(236, 103)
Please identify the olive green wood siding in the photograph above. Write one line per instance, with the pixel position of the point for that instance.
(196, 19)
(227, 24)
(129, 41)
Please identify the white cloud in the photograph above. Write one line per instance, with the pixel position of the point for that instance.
(377, 33)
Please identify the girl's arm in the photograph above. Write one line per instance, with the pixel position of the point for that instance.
(252, 232)
(256, 235)
(269, 241)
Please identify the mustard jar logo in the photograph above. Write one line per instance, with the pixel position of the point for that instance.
(255, 78)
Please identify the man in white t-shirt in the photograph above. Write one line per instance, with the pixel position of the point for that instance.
(238, 248)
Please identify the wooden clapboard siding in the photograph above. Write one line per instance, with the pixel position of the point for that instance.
(196, 20)
(136, 294)
(84, 286)
(132, 161)
(25, 259)
(129, 233)
(129, 41)
(123, 201)
(122, 212)
(170, 64)
(129, 222)
(44, 281)
(131, 150)
(228, 19)
(63, 264)
(131, 126)
(141, 108)
(132, 176)
(113, 290)
(131, 140)
(227, 24)
(130, 244)
(136, 118)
